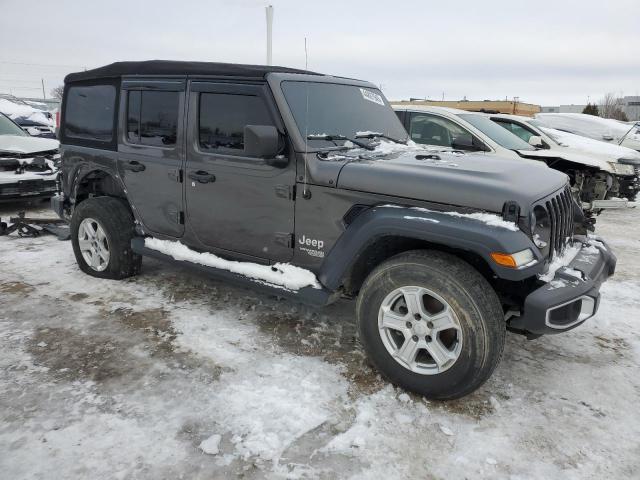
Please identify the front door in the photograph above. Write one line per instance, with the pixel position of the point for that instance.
(150, 153)
(235, 202)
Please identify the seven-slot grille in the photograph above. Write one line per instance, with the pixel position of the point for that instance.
(560, 210)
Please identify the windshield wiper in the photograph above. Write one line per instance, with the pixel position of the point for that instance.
(334, 137)
(372, 135)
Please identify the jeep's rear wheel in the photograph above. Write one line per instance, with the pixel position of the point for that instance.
(431, 324)
(101, 233)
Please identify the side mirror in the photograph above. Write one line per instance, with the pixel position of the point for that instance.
(536, 141)
(262, 141)
(468, 143)
(33, 131)
(463, 142)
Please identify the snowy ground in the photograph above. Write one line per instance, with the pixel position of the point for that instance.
(105, 379)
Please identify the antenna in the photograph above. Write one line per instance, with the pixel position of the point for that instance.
(305, 189)
(269, 11)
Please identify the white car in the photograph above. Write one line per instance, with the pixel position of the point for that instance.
(470, 131)
(621, 163)
(28, 165)
(602, 129)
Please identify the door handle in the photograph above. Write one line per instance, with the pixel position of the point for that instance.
(134, 166)
(202, 176)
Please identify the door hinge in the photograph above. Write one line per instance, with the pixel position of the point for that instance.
(181, 176)
(176, 174)
(181, 218)
(285, 239)
(286, 191)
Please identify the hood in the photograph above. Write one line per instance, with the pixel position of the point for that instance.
(26, 144)
(476, 181)
(572, 155)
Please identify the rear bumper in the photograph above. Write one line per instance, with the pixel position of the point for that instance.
(567, 301)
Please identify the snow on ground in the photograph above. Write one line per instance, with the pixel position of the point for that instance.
(149, 377)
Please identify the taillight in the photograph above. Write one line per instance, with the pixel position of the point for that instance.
(57, 118)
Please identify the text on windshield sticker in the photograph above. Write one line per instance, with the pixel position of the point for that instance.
(372, 97)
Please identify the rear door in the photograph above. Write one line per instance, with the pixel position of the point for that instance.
(235, 202)
(151, 152)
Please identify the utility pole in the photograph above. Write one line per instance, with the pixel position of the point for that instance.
(44, 97)
(269, 11)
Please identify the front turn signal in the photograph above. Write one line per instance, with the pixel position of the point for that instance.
(513, 260)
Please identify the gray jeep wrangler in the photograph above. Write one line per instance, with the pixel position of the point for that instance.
(305, 185)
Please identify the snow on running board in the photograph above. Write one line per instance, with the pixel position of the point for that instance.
(282, 275)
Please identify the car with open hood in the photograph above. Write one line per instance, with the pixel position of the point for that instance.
(605, 130)
(306, 186)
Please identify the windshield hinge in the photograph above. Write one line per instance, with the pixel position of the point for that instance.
(511, 212)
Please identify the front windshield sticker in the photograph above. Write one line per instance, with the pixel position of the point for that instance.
(372, 97)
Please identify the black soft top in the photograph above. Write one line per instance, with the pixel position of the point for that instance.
(173, 67)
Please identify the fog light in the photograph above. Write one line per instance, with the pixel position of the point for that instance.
(513, 260)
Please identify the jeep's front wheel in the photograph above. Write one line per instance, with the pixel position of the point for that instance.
(101, 233)
(431, 324)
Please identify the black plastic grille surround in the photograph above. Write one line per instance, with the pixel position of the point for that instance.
(554, 221)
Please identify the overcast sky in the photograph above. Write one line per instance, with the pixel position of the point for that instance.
(544, 52)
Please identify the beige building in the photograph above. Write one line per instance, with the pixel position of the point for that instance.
(488, 106)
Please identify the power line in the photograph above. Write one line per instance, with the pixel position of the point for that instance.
(42, 64)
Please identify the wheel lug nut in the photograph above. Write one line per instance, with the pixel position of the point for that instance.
(430, 324)
(409, 325)
(417, 316)
(427, 338)
(414, 338)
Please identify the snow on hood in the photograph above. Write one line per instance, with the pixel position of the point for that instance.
(16, 110)
(590, 126)
(474, 180)
(606, 151)
(26, 144)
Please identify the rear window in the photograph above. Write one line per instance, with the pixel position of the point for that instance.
(89, 113)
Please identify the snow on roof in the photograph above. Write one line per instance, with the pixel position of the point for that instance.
(17, 110)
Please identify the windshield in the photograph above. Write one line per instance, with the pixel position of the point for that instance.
(496, 133)
(329, 109)
(7, 127)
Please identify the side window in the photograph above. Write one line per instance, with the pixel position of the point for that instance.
(516, 129)
(433, 130)
(152, 118)
(222, 118)
(89, 113)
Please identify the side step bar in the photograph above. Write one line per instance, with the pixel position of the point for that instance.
(316, 297)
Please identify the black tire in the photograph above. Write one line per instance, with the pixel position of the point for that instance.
(116, 220)
(471, 298)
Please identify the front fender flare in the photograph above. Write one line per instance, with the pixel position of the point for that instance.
(440, 228)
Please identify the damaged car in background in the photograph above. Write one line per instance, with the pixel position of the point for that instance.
(592, 180)
(605, 174)
(28, 165)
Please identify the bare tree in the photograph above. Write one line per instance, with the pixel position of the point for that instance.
(57, 92)
(611, 106)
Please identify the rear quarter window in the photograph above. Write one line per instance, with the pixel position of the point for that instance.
(89, 115)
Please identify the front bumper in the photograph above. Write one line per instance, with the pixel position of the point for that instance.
(28, 189)
(567, 301)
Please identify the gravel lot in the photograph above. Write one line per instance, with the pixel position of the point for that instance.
(106, 379)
